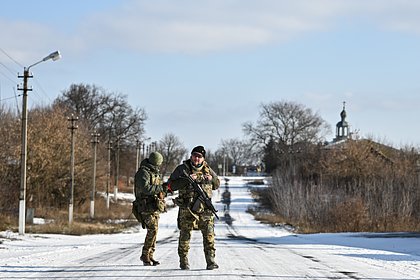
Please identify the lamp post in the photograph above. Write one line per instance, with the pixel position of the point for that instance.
(22, 191)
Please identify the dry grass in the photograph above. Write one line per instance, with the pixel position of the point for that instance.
(8, 222)
(113, 220)
(76, 228)
(276, 220)
(351, 215)
(267, 218)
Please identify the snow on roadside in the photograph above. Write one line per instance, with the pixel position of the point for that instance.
(401, 250)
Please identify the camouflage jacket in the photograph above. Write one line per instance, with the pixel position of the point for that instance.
(147, 181)
(186, 192)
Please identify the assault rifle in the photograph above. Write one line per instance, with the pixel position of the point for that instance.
(202, 195)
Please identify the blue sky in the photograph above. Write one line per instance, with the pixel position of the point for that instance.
(200, 69)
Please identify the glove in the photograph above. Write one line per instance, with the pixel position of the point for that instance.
(167, 188)
(161, 195)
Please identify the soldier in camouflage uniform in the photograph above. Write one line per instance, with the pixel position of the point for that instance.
(190, 216)
(150, 195)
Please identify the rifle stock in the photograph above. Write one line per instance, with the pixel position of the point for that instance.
(202, 195)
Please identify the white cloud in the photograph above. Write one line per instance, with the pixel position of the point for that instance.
(186, 26)
(388, 15)
(190, 26)
(22, 35)
(202, 26)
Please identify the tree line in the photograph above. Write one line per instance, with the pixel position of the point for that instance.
(353, 185)
(119, 129)
(357, 185)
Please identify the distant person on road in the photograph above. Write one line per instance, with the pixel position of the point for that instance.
(150, 193)
(226, 198)
(189, 217)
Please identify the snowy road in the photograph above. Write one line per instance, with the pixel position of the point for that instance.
(246, 249)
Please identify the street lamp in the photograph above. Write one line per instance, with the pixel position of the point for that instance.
(22, 191)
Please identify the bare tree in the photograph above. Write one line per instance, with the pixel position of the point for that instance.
(49, 159)
(111, 116)
(108, 113)
(236, 150)
(9, 159)
(354, 186)
(287, 123)
(285, 129)
(173, 152)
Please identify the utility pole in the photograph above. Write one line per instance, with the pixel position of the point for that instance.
(72, 128)
(138, 158)
(145, 148)
(224, 164)
(108, 174)
(22, 191)
(95, 141)
(418, 173)
(138, 146)
(117, 171)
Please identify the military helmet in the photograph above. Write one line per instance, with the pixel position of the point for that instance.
(155, 158)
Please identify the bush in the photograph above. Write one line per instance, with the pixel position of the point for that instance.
(353, 188)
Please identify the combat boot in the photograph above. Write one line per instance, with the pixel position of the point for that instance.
(211, 264)
(146, 260)
(183, 264)
(154, 262)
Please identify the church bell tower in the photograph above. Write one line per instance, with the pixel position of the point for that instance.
(342, 127)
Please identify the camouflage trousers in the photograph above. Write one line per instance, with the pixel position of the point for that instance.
(186, 223)
(151, 220)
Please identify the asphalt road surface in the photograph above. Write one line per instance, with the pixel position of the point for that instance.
(246, 249)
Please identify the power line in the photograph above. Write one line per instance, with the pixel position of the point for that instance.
(12, 97)
(17, 102)
(42, 91)
(7, 77)
(7, 98)
(7, 68)
(11, 58)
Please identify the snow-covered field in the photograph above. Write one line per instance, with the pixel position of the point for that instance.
(246, 249)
